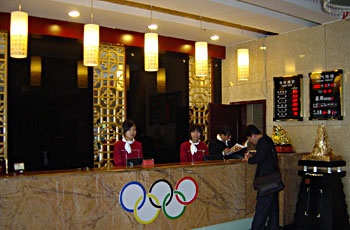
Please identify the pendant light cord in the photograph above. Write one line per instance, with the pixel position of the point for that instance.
(201, 29)
(20, 5)
(242, 34)
(92, 12)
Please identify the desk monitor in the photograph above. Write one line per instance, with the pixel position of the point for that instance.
(134, 161)
(213, 157)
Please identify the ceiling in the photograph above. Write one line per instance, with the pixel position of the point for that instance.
(234, 21)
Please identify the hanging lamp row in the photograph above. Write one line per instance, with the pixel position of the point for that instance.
(19, 37)
(19, 43)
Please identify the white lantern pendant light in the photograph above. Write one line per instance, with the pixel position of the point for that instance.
(243, 62)
(151, 49)
(19, 34)
(201, 57)
(91, 42)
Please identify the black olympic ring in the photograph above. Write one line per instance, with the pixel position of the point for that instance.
(170, 192)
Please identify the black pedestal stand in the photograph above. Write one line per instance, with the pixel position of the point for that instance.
(321, 200)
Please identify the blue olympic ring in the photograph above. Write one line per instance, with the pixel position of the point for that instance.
(130, 186)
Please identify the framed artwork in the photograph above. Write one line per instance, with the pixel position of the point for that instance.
(287, 98)
(326, 95)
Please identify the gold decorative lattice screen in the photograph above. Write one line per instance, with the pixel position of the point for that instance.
(109, 98)
(3, 96)
(199, 97)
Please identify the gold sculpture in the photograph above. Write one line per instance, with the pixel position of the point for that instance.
(322, 150)
(280, 136)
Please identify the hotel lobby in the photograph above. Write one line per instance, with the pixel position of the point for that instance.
(61, 120)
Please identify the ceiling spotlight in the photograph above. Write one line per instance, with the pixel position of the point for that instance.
(215, 37)
(153, 26)
(74, 13)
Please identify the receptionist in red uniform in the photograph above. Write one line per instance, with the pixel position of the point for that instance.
(194, 149)
(128, 147)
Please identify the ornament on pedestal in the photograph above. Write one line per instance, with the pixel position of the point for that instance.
(322, 150)
(281, 140)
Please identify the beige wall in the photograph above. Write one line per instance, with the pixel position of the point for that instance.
(325, 47)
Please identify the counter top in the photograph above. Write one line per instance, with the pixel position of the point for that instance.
(120, 168)
(134, 168)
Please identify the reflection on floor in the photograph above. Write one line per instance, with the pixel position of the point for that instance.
(243, 224)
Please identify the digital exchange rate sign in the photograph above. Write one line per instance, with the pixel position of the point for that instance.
(287, 98)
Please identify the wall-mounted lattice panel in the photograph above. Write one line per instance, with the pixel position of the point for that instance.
(3, 96)
(109, 98)
(199, 98)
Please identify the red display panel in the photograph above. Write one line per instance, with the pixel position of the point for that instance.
(325, 95)
(287, 98)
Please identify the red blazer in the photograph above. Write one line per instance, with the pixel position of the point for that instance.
(186, 155)
(121, 155)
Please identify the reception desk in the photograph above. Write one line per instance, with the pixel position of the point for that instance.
(89, 199)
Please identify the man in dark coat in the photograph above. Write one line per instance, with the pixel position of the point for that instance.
(266, 209)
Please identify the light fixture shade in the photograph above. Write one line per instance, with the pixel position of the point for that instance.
(82, 75)
(91, 44)
(161, 80)
(243, 64)
(19, 34)
(35, 71)
(151, 52)
(201, 59)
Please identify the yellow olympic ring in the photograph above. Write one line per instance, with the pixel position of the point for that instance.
(136, 214)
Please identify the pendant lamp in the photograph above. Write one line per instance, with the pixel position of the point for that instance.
(151, 52)
(151, 48)
(19, 34)
(243, 64)
(201, 57)
(91, 42)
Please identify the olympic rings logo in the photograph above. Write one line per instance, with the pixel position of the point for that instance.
(161, 196)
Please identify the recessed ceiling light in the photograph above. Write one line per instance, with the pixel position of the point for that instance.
(153, 26)
(74, 13)
(215, 37)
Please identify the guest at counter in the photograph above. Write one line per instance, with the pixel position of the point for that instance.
(128, 147)
(266, 208)
(193, 149)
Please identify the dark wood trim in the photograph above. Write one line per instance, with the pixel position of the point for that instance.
(245, 103)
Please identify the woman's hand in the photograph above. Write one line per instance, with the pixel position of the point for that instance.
(227, 150)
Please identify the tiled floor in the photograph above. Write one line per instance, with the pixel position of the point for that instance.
(243, 224)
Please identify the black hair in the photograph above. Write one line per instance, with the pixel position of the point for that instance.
(127, 124)
(195, 127)
(250, 130)
(226, 130)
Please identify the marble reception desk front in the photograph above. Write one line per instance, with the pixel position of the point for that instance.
(83, 199)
